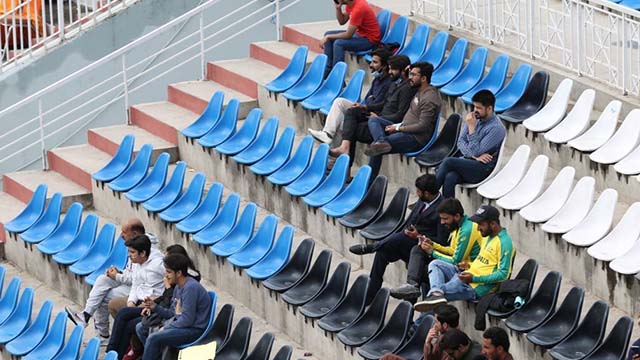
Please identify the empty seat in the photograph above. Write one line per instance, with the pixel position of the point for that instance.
(117, 257)
(240, 233)
(207, 119)
(223, 128)
(276, 258)
(47, 223)
(444, 145)
(528, 188)
(597, 223)
(469, 76)
(492, 82)
(9, 298)
(263, 142)
(187, 202)
(310, 82)
(350, 92)
(513, 91)
(221, 327)
(351, 196)
(576, 121)
(627, 263)
(451, 65)
(369, 206)
(154, 181)
(621, 239)
(417, 44)
(501, 157)
(391, 337)
(533, 99)
(428, 144)
(135, 172)
(91, 350)
(238, 344)
(622, 142)
(52, 342)
(332, 184)
(367, 325)
(508, 177)
(630, 164)
(258, 246)
(18, 319)
(206, 335)
(552, 199)
(33, 335)
(390, 219)
(329, 297)
(312, 176)
(262, 350)
(616, 344)
(587, 335)
(574, 210)
(296, 165)
(397, 34)
(69, 226)
(276, 157)
(170, 192)
(414, 347)
(384, 20)
(87, 230)
(292, 73)
(294, 270)
(71, 349)
(561, 323)
(435, 52)
(539, 308)
(79, 246)
(3, 272)
(311, 283)
(329, 90)
(31, 213)
(97, 253)
(244, 136)
(221, 224)
(553, 111)
(349, 308)
(204, 213)
(528, 272)
(111, 355)
(284, 353)
(119, 163)
(601, 131)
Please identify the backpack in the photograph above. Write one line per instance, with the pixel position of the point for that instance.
(509, 296)
(391, 47)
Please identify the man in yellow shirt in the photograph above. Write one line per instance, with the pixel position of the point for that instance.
(492, 265)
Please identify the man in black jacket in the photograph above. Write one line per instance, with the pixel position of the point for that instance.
(423, 220)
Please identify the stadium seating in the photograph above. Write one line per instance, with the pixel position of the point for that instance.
(444, 145)
(513, 91)
(597, 223)
(501, 157)
(601, 131)
(414, 347)
(562, 323)
(135, 172)
(390, 219)
(616, 343)
(118, 257)
(349, 309)
(119, 163)
(31, 213)
(330, 296)
(549, 203)
(81, 245)
(331, 185)
(384, 20)
(469, 76)
(366, 326)
(391, 337)
(209, 118)
(221, 223)
(292, 73)
(262, 350)
(350, 92)
(9, 298)
(574, 210)
(435, 52)
(508, 177)
(187, 202)
(493, 81)
(311, 283)
(151, 184)
(284, 353)
(369, 207)
(19, 318)
(627, 264)
(53, 341)
(47, 223)
(225, 127)
(622, 143)
(312, 176)
(241, 232)
(533, 99)
(352, 194)
(539, 308)
(553, 112)
(576, 121)
(279, 154)
(276, 258)
(329, 90)
(396, 34)
(71, 348)
(237, 345)
(297, 163)
(204, 213)
(310, 81)
(34, 334)
(528, 188)
(88, 230)
(417, 44)
(170, 192)
(528, 272)
(67, 229)
(621, 239)
(96, 254)
(263, 143)
(221, 327)
(587, 335)
(259, 245)
(452, 65)
(206, 333)
(239, 140)
(428, 144)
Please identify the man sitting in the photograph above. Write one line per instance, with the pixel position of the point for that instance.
(492, 265)
(479, 143)
(457, 345)
(495, 344)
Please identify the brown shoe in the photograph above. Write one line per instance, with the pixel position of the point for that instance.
(378, 148)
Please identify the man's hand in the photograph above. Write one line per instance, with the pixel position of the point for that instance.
(131, 304)
(145, 312)
(425, 244)
(358, 105)
(484, 158)
(411, 232)
(636, 357)
(463, 265)
(465, 277)
(323, 41)
(432, 334)
(390, 129)
(112, 272)
(372, 115)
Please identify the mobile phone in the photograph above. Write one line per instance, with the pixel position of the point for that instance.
(412, 227)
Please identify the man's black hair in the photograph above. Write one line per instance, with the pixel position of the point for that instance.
(447, 314)
(498, 337)
(177, 262)
(383, 54)
(452, 339)
(140, 243)
(399, 62)
(451, 206)
(179, 249)
(427, 182)
(484, 97)
(426, 69)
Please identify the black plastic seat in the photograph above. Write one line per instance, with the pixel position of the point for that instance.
(294, 270)
(284, 353)
(221, 327)
(262, 350)
(445, 144)
(312, 282)
(540, 307)
(587, 336)
(560, 324)
(390, 338)
(614, 347)
(349, 308)
(368, 325)
(527, 272)
(370, 206)
(390, 219)
(238, 343)
(330, 295)
(413, 349)
(533, 99)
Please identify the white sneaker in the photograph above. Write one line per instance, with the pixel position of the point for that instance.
(75, 317)
(321, 136)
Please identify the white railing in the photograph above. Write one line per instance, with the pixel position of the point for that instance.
(113, 80)
(30, 28)
(595, 38)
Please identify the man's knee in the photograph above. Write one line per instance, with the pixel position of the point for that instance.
(116, 304)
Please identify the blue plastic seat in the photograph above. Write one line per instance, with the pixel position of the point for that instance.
(111, 355)
(417, 44)
(134, 173)
(170, 192)
(492, 82)
(71, 349)
(19, 319)
(384, 19)
(310, 82)
(243, 137)
(3, 272)
(512, 92)
(239, 234)
(426, 146)
(296, 165)
(332, 184)
(329, 89)
(276, 258)
(97, 253)
(452, 65)
(204, 213)
(435, 52)
(79, 246)
(397, 34)
(117, 257)
(30, 338)
(91, 350)
(53, 341)
(262, 144)
(31, 213)
(68, 227)
(221, 224)
(119, 163)
(207, 331)
(207, 119)
(351, 196)
(469, 76)
(224, 128)
(350, 92)
(292, 73)
(633, 4)
(10, 298)
(187, 202)
(312, 176)
(154, 181)
(87, 230)
(258, 246)
(278, 155)
(47, 223)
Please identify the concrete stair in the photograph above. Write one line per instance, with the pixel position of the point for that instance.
(107, 139)
(277, 53)
(242, 75)
(77, 163)
(195, 95)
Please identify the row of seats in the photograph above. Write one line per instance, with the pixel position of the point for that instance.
(633, 4)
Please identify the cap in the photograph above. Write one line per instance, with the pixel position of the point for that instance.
(486, 213)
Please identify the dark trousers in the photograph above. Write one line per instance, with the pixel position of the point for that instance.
(394, 247)
(124, 326)
(418, 262)
(458, 170)
(355, 129)
(400, 142)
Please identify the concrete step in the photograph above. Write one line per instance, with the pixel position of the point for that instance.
(277, 53)
(163, 119)
(195, 96)
(309, 34)
(77, 162)
(243, 75)
(10, 207)
(108, 139)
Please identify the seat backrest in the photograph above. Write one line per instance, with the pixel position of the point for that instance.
(595, 321)
(238, 343)
(623, 141)
(337, 284)
(301, 258)
(417, 44)
(139, 165)
(88, 230)
(449, 134)
(354, 299)
(536, 92)
(354, 88)
(38, 328)
(357, 187)
(53, 340)
(21, 313)
(191, 197)
(120, 159)
(528, 272)
(617, 342)
(374, 198)
(475, 66)
(435, 52)
(229, 212)
(601, 130)
(384, 18)
(206, 332)
(296, 66)
(9, 298)
(314, 75)
(276, 258)
(597, 223)
(264, 236)
(71, 221)
(215, 105)
(374, 315)
(297, 162)
(34, 208)
(230, 116)
(553, 111)
(414, 346)
(71, 349)
(456, 56)
(247, 132)
(337, 175)
(51, 214)
(211, 204)
(262, 350)
(519, 81)
(555, 195)
(547, 293)
(334, 80)
(396, 328)
(3, 272)
(104, 241)
(284, 353)
(397, 207)
(569, 310)
(265, 139)
(243, 229)
(221, 327)
(318, 273)
(91, 350)
(175, 183)
(398, 32)
(158, 174)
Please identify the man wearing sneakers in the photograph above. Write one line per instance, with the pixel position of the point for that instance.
(492, 265)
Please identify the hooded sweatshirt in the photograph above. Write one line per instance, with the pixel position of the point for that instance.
(127, 273)
(147, 278)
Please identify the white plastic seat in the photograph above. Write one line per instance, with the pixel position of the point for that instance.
(628, 263)
(554, 111)
(528, 188)
(601, 131)
(576, 121)
(552, 199)
(509, 176)
(574, 210)
(630, 164)
(622, 142)
(493, 172)
(621, 239)
(597, 223)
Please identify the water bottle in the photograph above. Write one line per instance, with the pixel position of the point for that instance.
(518, 302)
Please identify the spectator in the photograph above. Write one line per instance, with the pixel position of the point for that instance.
(377, 92)
(363, 31)
(495, 344)
(416, 128)
(446, 317)
(479, 143)
(491, 266)
(397, 246)
(186, 318)
(464, 245)
(457, 345)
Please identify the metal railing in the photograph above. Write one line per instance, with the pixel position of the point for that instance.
(596, 38)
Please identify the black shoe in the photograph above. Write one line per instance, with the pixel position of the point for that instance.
(429, 303)
(378, 148)
(361, 249)
(405, 292)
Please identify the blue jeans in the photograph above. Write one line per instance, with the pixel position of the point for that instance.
(123, 328)
(156, 342)
(400, 142)
(458, 170)
(444, 279)
(335, 49)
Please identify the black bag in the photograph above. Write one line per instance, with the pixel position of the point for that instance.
(503, 300)
(391, 47)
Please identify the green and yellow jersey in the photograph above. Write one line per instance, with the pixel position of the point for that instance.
(493, 264)
(464, 244)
